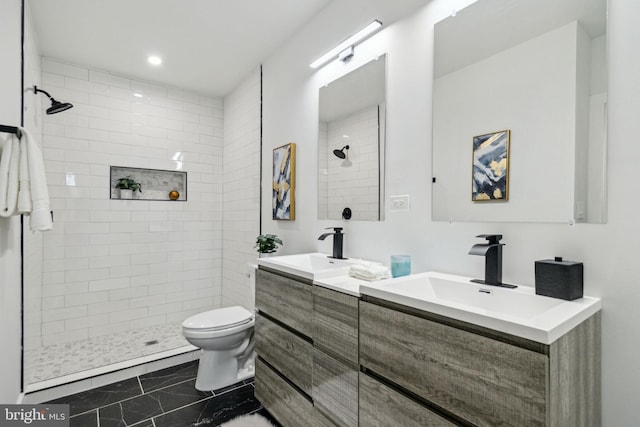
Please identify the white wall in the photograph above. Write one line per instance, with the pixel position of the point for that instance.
(241, 184)
(10, 228)
(609, 251)
(115, 265)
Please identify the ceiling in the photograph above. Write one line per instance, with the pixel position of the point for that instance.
(207, 46)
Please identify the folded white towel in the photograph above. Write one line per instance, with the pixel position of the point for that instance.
(36, 186)
(369, 271)
(9, 165)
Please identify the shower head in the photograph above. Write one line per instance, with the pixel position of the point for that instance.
(56, 106)
(341, 154)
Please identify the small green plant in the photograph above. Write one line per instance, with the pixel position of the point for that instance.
(128, 183)
(267, 243)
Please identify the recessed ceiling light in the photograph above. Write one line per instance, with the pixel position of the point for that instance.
(154, 60)
(138, 95)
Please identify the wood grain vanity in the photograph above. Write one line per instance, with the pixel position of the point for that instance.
(307, 346)
(326, 358)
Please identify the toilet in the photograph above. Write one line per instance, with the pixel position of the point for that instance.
(225, 336)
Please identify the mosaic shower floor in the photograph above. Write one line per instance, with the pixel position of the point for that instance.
(46, 363)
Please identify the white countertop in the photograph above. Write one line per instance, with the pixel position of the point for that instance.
(518, 312)
(345, 284)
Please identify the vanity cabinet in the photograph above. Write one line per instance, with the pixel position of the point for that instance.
(476, 375)
(307, 347)
(285, 351)
(335, 356)
(290, 407)
(285, 298)
(381, 406)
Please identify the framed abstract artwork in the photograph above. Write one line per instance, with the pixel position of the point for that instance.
(490, 174)
(284, 180)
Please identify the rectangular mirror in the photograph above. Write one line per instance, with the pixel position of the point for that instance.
(351, 145)
(535, 68)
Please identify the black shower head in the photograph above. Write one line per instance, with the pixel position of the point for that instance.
(56, 106)
(341, 154)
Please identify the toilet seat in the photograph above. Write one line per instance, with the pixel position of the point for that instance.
(218, 319)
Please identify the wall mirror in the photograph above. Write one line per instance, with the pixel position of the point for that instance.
(351, 145)
(536, 68)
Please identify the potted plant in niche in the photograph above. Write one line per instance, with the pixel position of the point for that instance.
(267, 244)
(127, 187)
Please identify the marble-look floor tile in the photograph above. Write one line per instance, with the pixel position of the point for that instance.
(169, 376)
(88, 419)
(101, 396)
(130, 412)
(219, 391)
(179, 395)
(212, 412)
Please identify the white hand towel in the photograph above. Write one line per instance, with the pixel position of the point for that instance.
(369, 271)
(40, 210)
(9, 165)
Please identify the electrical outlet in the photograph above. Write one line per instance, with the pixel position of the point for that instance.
(399, 203)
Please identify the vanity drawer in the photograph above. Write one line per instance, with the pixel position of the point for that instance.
(283, 401)
(482, 380)
(285, 351)
(335, 323)
(381, 406)
(288, 300)
(335, 389)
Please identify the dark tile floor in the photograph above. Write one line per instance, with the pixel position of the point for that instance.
(165, 398)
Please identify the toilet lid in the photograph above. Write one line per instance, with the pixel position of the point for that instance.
(221, 318)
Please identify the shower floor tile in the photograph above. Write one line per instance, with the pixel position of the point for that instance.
(58, 360)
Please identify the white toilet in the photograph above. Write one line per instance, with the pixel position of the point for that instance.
(225, 336)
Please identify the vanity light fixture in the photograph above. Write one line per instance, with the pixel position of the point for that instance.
(342, 49)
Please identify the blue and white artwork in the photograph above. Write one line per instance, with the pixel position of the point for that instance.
(284, 162)
(491, 167)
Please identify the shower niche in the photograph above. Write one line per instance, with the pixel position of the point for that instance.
(147, 184)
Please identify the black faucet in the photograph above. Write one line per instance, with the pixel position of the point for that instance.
(337, 241)
(492, 252)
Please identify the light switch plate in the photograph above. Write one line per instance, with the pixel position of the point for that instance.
(399, 203)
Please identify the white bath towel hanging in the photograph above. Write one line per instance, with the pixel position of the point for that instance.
(33, 185)
(9, 165)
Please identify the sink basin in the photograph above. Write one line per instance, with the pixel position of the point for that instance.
(517, 311)
(310, 266)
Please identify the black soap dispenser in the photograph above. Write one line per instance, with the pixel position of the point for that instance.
(557, 278)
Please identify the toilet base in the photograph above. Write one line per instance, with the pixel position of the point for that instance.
(219, 369)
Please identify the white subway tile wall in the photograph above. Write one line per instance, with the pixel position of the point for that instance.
(360, 132)
(111, 266)
(241, 197)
